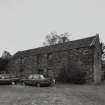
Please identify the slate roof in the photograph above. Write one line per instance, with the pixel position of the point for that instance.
(86, 42)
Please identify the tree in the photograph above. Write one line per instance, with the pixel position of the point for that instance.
(6, 55)
(4, 59)
(55, 38)
(62, 38)
(103, 51)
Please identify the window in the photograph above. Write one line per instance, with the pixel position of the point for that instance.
(49, 59)
(85, 52)
(38, 59)
(49, 56)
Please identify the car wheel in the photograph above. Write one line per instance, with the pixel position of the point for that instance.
(23, 83)
(38, 84)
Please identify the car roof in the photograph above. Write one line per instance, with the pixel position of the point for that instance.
(35, 74)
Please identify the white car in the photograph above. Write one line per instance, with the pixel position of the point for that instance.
(38, 80)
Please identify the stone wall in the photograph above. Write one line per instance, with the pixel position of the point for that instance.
(97, 61)
(84, 58)
(103, 70)
(51, 64)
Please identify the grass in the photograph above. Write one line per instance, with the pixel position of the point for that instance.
(61, 94)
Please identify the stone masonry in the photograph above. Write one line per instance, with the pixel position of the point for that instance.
(50, 60)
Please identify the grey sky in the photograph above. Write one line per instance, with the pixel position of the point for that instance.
(24, 23)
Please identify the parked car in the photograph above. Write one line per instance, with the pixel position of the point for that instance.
(38, 80)
(8, 79)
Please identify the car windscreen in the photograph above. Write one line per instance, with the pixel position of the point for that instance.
(34, 77)
(37, 76)
(42, 77)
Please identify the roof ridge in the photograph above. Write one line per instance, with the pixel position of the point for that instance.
(61, 43)
(80, 43)
(84, 38)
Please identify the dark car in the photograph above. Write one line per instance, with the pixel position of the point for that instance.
(38, 80)
(8, 79)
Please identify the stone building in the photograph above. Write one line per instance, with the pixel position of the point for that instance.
(50, 60)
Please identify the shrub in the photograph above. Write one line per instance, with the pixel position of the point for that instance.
(3, 64)
(72, 74)
(77, 77)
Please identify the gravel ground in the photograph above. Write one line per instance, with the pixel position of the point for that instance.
(61, 94)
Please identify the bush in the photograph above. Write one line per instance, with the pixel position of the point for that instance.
(73, 74)
(3, 64)
(77, 77)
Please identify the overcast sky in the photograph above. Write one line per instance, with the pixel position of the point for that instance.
(25, 23)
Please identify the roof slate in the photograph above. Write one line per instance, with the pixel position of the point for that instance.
(86, 42)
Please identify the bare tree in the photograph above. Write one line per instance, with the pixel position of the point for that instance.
(62, 38)
(6, 55)
(55, 38)
(103, 51)
(4, 59)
